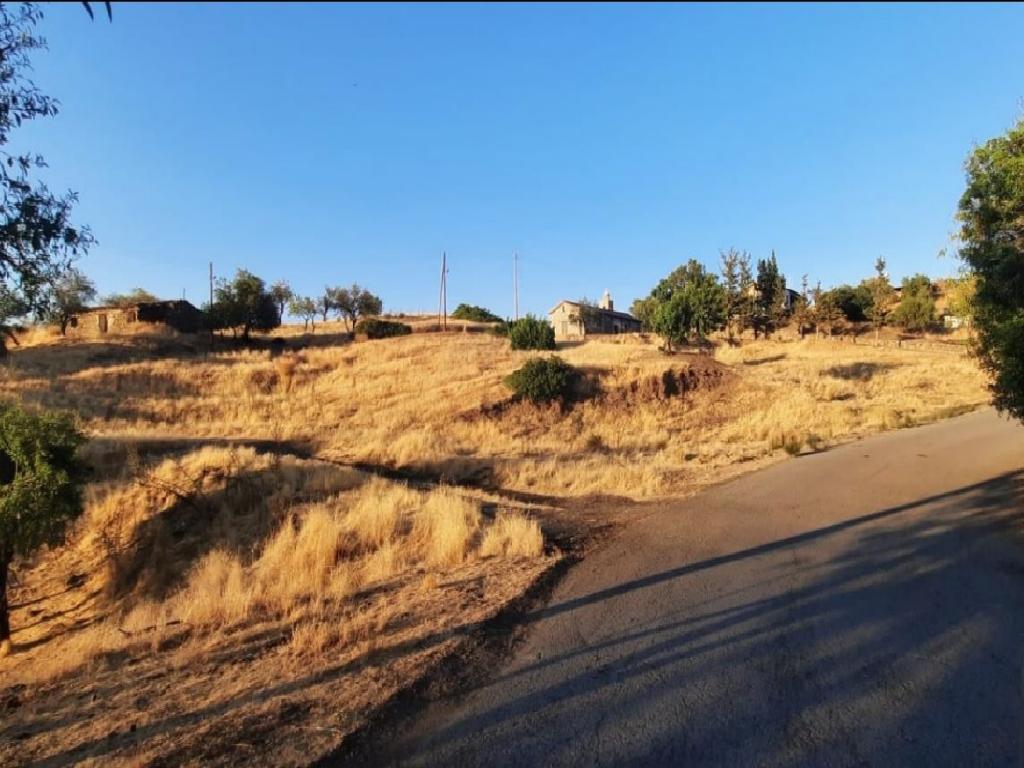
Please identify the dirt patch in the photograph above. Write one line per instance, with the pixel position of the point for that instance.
(699, 375)
(702, 374)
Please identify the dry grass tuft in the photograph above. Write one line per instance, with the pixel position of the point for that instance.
(512, 536)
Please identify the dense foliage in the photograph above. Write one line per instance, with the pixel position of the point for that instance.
(350, 304)
(132, 297)
(769, 302)
(243, 303)
(882, 295)
(37, 240)
(991, 214)
(282, 294)
(40, 486)
(737, 278)
(375, 328)
(543, 379)
(304, 307)
(853, 302)
(475, 314)
(689, 301)
(71, 293)
(916, 310)
(531, 333)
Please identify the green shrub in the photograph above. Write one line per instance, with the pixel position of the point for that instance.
(475, 314)
(40, 488)
(531, 333)
(375, 328)
(543, 379)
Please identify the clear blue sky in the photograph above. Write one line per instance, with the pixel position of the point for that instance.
(605, 144)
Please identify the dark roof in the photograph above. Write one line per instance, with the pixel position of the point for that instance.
(138, 304)
(609, 312)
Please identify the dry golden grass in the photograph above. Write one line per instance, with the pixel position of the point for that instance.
(225, 564)
(416, 402)
(279, 599)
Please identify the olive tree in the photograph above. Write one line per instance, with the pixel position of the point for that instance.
(132, 297)
(354, 303)
(281, 293)
(40, 488)
(243, 303)
(38, 242)
(306, 308)
(72, 292)
(991, 214)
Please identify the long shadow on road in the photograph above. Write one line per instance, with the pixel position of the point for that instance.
(902, 648)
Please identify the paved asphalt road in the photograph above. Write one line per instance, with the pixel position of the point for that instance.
(863, 606)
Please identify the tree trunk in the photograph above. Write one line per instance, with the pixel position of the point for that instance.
(64, 324)
(5, 619)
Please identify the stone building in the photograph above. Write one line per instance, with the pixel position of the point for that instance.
(178, 314)
(573, 320)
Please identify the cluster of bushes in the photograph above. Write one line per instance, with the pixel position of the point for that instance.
(475, 314)
(375, 328)
(528, 333)
(543, 379)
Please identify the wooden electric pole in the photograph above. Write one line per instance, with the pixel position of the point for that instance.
(442, 304)
(210, 307)
(515, 284)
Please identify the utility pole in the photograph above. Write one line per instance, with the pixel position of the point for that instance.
(211, 306)
(442, 304)
(515, 283)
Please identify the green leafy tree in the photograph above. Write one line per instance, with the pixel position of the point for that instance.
(801, 308)
(960, 294)
(329, 300)
(882, 295)
(736, 281)
(354, 303)
(769, 307)
(853, 302)
(673, 320)
(543, 379)
(281, 293)
(991, 215)
(306, 308)
(475, 314)
(531, 333)
(134, 296)
(643, 310)
(38, 242)
(243, 303)
(40, 488)
(72, 293)
(690, 300)
(916, 310)
(826, 313)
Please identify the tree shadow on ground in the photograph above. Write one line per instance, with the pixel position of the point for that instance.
(862, 371)
(765, 360)
(903, 650)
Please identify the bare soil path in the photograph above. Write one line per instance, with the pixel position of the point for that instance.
(863, 606)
